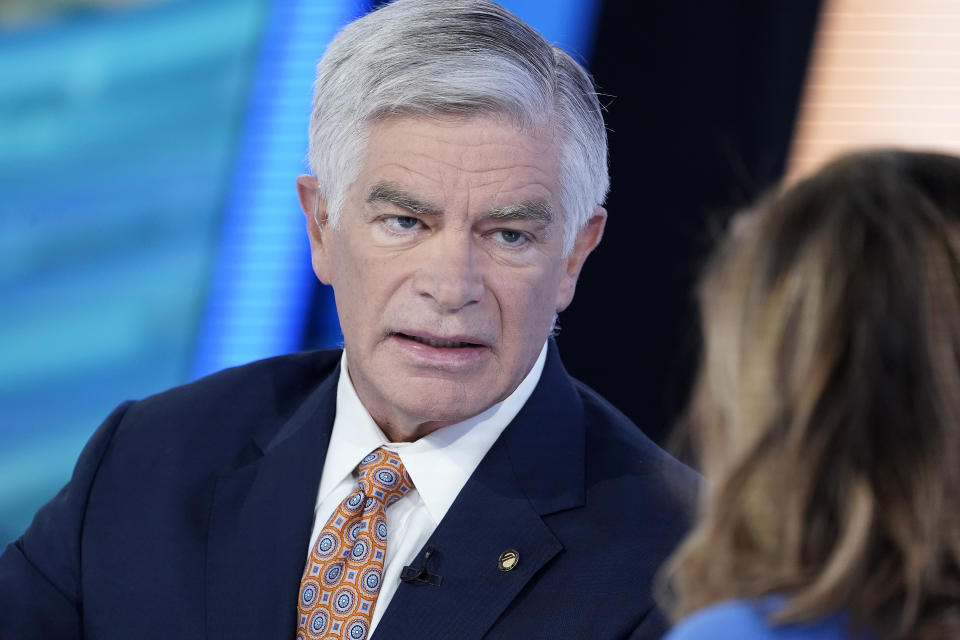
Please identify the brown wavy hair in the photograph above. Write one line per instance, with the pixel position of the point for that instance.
(826, 413)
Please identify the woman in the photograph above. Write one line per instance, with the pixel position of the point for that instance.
(826, 415)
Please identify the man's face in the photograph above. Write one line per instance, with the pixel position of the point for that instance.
(447, 266)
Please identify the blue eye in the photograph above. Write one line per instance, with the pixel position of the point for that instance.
(401, 223)
(512, 238)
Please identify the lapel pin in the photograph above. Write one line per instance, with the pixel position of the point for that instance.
(508, 560)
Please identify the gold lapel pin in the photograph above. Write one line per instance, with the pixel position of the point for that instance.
(508, 560)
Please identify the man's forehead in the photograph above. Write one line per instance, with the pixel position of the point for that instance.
(474, 138)
(433, 161)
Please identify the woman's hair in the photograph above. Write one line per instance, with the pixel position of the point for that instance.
(826, 414)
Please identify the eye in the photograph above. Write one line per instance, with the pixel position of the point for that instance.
(401, 223)
(511, 237)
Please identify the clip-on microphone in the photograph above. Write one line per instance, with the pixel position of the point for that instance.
(420, 574)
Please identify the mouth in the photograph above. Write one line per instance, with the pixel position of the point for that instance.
(438, 343)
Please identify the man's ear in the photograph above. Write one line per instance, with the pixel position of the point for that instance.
(315, 209)
(587, 238)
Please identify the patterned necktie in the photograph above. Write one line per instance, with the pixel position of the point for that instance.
(342, 578)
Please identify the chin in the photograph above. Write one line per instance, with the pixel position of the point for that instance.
(448, 406)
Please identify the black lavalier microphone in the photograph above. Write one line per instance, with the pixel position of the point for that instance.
(420, 574)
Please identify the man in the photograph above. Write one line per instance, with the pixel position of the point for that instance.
(444, 478)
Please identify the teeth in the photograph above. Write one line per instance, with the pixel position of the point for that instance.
(440, 343)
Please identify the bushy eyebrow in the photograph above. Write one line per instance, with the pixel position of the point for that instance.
(383, 192)
(536, 210)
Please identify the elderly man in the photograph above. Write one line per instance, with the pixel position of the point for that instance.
(443, 477)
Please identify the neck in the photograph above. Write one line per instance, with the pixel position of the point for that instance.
(408, 432)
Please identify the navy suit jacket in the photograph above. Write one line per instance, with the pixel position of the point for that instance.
(189, 514)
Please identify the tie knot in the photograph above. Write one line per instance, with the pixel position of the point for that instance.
(382, 476)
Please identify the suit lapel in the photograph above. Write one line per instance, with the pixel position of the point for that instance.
(489, 516)
(535, 468)
(260, 523)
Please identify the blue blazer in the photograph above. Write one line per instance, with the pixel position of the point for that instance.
(189, 514)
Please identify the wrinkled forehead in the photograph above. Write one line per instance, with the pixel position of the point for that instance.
(491, 157)
(542, 126)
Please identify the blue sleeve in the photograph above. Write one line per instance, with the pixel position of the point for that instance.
(734, 620)
(743, 620)
(40, 589)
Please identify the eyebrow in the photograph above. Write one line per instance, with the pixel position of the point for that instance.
(535, 209)
(383, 192)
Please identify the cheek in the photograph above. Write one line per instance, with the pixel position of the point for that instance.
(370, 288)
(528, 305)
(352, 282)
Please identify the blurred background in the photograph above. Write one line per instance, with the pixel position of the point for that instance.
(149, 228)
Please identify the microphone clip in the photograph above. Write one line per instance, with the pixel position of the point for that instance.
(420, 574)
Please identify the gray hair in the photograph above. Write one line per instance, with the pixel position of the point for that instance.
(459, 59)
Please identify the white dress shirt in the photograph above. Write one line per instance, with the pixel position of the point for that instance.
(439, 465)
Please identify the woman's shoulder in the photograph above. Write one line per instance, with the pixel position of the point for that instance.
(741, 619)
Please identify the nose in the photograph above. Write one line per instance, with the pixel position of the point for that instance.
(449, 274)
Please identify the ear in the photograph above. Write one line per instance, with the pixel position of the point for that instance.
(315, 209)
(587, 238)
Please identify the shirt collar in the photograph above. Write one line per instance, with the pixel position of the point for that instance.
(439, 463)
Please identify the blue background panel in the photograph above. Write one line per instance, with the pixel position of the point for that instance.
(261, 288)
(116, 136)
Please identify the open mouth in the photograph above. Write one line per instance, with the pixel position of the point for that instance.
(440, 344)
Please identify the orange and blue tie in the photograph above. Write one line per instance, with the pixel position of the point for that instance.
(342, 578)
